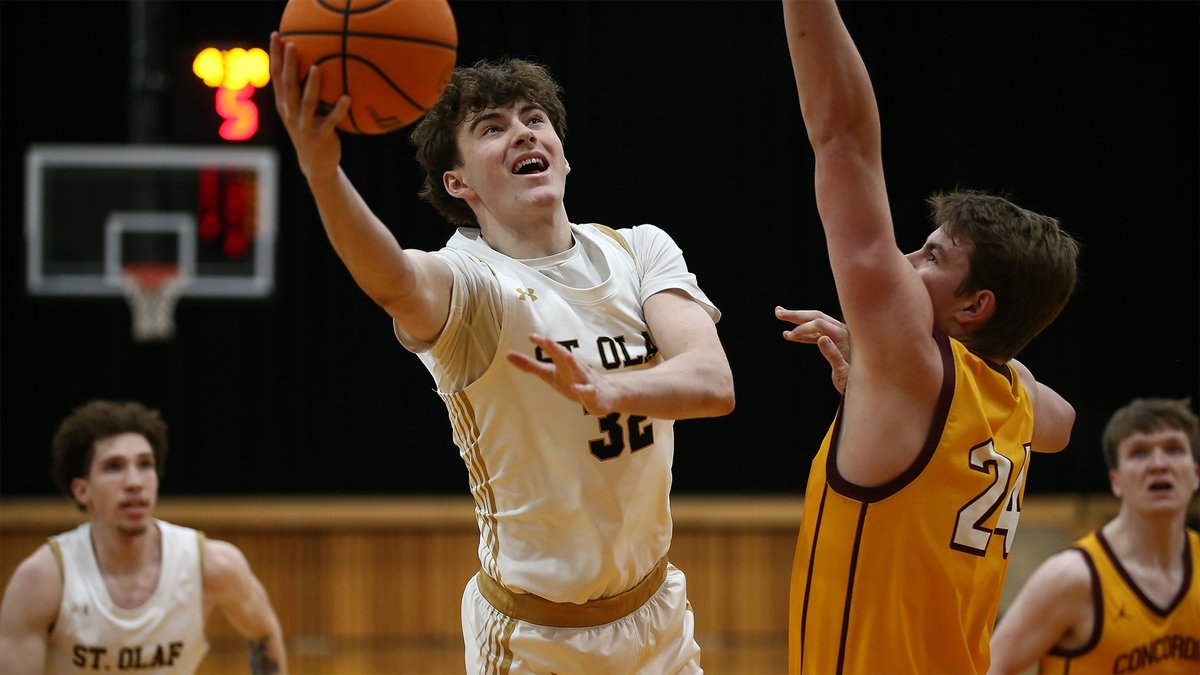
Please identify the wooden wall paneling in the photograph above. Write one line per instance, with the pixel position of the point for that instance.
(375, 585)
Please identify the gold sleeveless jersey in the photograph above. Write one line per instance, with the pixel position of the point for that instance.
(906, 577)
(1130, 633)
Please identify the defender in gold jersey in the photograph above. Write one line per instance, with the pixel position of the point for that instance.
(1125, 598)
(913, 500)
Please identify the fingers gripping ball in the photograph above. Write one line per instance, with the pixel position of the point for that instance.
(392, 57)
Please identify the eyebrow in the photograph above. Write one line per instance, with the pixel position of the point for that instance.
(138, 457)
(481, 118)
(493, 114)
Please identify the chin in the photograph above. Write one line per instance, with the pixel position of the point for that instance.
(133, 529)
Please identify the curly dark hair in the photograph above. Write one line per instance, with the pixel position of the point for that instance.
(75, 441)
(1025, 258)
(487, 84)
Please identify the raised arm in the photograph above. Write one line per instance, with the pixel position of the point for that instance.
(885, 304)
(27, 612)
(412, 286)
(897, 369)
(693, 380)
(1053, 608)
(231, 587)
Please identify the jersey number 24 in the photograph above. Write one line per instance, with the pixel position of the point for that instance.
(971, 535)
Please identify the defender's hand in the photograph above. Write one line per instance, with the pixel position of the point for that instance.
(830, 335)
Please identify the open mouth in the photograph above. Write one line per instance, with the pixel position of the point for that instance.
(137, 506)
(1160, 487)
(529, 165)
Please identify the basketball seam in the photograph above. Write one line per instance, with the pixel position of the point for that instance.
(345, 73)
(345, 77)
(351, 10)
(372, 36)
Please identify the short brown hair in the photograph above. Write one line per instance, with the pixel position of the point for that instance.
(1147, 415)
(1023, 257)
(74, 444)
(487, 84)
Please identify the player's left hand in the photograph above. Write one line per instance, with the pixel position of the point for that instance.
(831, 336)
(569, 376)
(314, 135)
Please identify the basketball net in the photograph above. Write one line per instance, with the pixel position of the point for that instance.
(152, 291)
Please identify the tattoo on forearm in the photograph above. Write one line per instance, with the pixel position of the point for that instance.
(261, 662)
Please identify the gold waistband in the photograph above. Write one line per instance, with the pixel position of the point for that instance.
(538, 610)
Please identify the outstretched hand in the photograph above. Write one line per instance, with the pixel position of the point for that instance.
(569, 376)
(318, 148)
(830, 335)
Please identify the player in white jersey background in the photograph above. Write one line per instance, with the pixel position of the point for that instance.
(126, 591)
(563, 352)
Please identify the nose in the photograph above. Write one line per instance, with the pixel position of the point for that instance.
(133, 478)
(524, 135)
(913, 258)
(1158, 457)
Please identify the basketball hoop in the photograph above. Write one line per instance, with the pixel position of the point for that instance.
(152, 291)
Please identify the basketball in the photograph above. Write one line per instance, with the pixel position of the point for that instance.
(392, 57)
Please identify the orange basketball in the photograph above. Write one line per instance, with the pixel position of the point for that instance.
(392, 57)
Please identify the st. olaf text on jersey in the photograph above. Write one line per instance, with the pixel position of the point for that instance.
(128, 658)
(612, 351)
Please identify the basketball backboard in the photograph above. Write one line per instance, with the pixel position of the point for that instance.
(92, 211)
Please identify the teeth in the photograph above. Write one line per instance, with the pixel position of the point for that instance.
(526, 162)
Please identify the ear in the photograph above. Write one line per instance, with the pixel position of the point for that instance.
(79, 490)
(1112, 482)
(455, 185)
(981, 308)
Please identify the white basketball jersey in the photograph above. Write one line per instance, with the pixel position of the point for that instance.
(570, 506)
(164, 635)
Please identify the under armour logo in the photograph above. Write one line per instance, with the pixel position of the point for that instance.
(527, 294)
(79, 608)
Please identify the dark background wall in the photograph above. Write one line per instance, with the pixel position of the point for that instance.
(682, 114)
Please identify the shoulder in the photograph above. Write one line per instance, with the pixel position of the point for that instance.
(648, 236)
(41, 567)
(642, 239)
(224, 564)
(1192, 543)
(464, 262)
(36, 586)
(1066, 573)
(1060, 590)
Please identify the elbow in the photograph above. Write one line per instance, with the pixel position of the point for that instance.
(721, 405)
(723, 398)
(845, 149)
(708, 393)
(1068, 426)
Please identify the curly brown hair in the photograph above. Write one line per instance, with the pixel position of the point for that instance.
(487, 84)
(1026, 259)
(75, 441)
